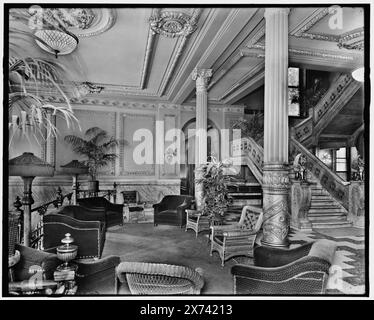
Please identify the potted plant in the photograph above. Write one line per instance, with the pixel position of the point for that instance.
(252, 128)
(214, 177)
(96, 147)
(29, 113)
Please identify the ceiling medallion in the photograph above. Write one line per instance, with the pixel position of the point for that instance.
(83, 22)
(173, 24)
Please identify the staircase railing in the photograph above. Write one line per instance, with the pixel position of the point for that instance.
(330, 181)
(328, 106)
(251, 154)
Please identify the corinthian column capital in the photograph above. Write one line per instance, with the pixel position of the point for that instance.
(269, 12)
(202, 77)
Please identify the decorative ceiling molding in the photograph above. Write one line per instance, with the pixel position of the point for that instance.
(352, 40)
(174, 24)
(231, 63)
(309, 22)
(315, 53)
(258, 33)
(83, 22)
(257, 69)
(148, 55)
(190, 28)
(85, 88)
(254, 83)
(210, 54)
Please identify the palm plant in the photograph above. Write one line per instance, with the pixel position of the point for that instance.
(96, 147)
(252, 128)
(214, 179)
(28, 112)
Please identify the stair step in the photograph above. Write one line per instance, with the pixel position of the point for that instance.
(327, 218)
(244, 202)
(325, 210)
(324, 214)
(323, 205)
(331, 224)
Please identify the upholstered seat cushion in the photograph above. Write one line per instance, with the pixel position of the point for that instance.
(219, 240)
(192, 218)
(31, 258)
(135, 209)
(168, 212)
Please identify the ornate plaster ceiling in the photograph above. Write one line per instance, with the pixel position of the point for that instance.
(150, 53)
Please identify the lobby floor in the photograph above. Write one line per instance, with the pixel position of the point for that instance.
(168, 244)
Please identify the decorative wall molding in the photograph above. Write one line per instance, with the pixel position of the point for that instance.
(123, 169)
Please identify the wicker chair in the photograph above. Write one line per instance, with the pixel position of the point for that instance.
(159, 279)
(238, 239)
(298, 271)
(196, 221)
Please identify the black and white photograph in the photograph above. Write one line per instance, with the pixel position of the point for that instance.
(182, 150)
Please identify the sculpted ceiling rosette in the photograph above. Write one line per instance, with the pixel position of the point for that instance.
(83, 22)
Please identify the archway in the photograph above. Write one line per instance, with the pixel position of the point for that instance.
(187, 167)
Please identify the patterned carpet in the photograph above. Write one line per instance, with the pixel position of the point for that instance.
(348, 270)
(143, 242)
(347, 273)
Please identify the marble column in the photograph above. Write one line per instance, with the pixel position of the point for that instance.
(275, 172)
(201, 76)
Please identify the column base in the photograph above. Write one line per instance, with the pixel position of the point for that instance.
(284, 244)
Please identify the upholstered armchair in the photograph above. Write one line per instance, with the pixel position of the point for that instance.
(159, 279)
(82, 213)
(132, 206)
(30, 258)
(97, 276)
(237, 239)
(89, 236)
(302, 270)
(113, 212)
(172, 210)
(92, 277)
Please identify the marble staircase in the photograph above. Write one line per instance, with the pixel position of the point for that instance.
(325, 212)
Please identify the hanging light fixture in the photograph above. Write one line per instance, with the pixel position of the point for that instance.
(359, 74)
(57, 42)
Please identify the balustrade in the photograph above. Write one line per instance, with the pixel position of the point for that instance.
(328, 106)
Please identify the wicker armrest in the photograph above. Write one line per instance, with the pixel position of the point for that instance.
(159, 269)
(278, 274)
(239, 233)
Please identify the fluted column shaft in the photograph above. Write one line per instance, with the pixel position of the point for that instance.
(201, 76)
(276, 182)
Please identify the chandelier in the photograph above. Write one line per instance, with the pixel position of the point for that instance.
(57, 42)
